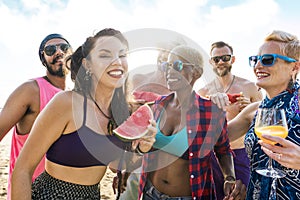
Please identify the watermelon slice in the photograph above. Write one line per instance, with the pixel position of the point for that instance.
(135, 126)
(233, 97)
(145, 96)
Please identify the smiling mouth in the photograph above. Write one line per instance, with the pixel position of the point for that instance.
(261, 75)
(116, 73)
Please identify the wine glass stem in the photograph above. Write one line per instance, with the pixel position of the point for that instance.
(270, 166)
(273, 194)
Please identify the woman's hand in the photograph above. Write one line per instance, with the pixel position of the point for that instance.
(286, 154)
(234, 190)
(145, 143)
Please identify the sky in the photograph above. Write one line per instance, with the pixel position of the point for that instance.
(241, 23)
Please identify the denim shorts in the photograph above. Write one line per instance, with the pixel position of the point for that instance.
(151, 193)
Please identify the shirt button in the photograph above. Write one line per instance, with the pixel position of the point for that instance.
(192, 176)
(189, 131)
(191, 154)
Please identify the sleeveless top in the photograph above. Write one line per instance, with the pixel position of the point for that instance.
(85, 148)
(176, 144)
(47, 91)
(288, 187)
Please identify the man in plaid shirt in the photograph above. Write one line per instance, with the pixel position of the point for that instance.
(190, 130)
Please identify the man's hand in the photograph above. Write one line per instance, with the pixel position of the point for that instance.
(221, 99)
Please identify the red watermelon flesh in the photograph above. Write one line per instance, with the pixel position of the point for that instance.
(136, 125)
(146, 96)
(233, 97)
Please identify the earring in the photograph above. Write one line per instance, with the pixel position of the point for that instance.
(87, 75)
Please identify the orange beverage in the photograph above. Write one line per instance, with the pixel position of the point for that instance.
(273, 130)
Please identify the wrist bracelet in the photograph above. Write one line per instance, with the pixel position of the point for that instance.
(229, 179)
(138, 151)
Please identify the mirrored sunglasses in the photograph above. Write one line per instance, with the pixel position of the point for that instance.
(51, 49)
(224, 58)
(176, 65)
(268, 60)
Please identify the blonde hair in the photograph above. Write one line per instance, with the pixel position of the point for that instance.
(289, 44)
(191, 55)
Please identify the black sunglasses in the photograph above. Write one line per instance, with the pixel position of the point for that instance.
(224, 58)
(176, 65)
(51, 49)
(268, 60)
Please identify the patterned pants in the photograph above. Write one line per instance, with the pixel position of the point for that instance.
(48, 187)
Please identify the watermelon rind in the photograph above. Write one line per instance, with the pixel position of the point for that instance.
(130, 130)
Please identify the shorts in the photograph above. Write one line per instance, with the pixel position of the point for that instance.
(47, 187)
(151, 193)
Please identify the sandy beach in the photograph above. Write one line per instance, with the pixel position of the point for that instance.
(106, 183)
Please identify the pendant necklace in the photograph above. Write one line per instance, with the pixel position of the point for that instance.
(111, 122)
(228, 88)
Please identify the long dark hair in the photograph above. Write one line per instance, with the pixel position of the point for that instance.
(119, 106)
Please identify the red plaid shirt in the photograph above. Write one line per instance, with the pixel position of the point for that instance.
(207, 133)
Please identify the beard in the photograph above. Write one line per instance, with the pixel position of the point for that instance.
(61, 72)
(224, 72)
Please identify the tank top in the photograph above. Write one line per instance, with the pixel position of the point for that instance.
(176, 144)
(85, 148)
(47, 91)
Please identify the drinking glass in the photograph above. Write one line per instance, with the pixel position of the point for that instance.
(272, 122)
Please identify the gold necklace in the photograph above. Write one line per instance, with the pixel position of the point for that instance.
(228, 88)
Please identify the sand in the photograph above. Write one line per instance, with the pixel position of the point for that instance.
(106, 183)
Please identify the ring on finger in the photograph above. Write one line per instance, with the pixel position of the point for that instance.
(279, 156)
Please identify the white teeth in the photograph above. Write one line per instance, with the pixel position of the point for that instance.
(172, 79)
(116, 73)
(262, 74)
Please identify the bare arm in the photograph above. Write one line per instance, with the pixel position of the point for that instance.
(49, 125)
(256, 94)
(239, 125)
(21, 106)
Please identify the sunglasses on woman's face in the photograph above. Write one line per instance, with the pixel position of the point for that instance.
(51, 49)
(268, 60)
(224, 58)
(176, 65)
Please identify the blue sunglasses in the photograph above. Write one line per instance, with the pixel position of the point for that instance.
(176, 65)
(268, 60)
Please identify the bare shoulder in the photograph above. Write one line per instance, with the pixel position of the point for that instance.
(249, 89)
(29, 89)
(63, 98)
(25, 96)
(206, 90)
(244, 82)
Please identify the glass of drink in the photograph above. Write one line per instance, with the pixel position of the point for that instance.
(272, 122)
